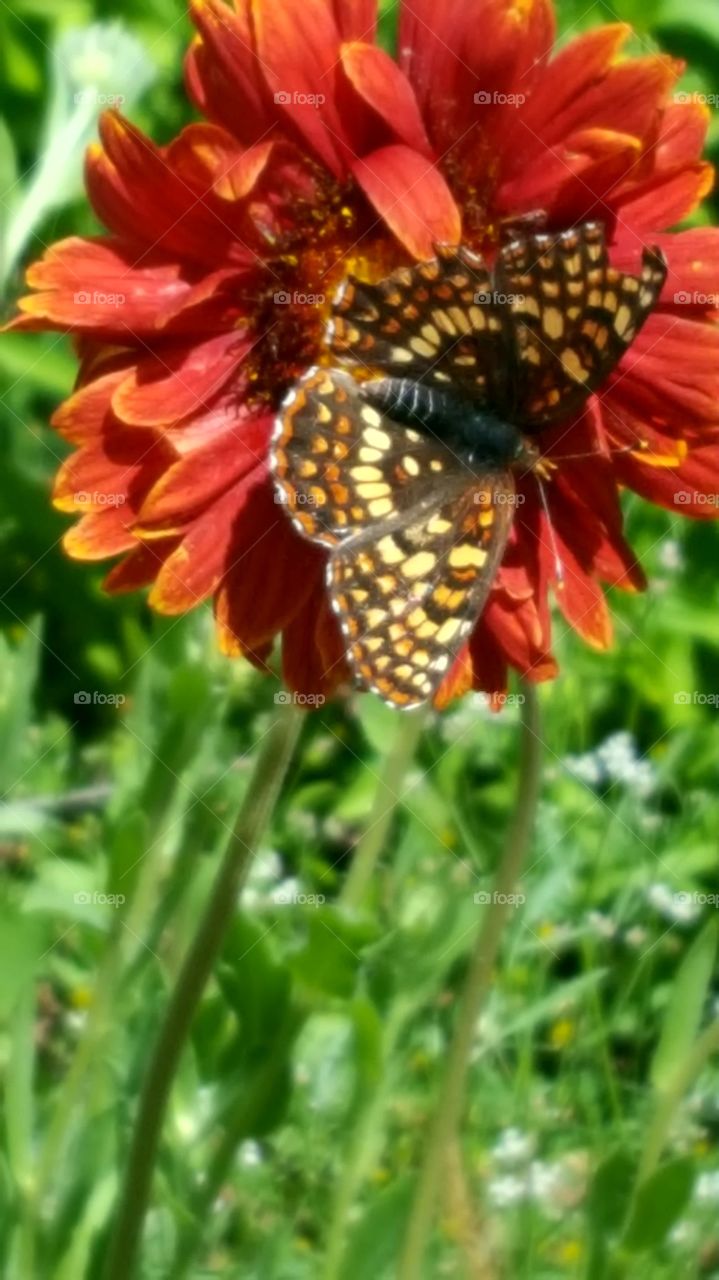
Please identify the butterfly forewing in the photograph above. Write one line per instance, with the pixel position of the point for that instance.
(571, 317)
(435, 323)
(407, 597)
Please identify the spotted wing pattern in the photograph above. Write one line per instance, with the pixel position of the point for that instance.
(408, 596)
(415, 535)
(570, 317)
(341, 466)
(434, 323)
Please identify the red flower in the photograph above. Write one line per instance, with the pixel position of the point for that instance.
(323, 156)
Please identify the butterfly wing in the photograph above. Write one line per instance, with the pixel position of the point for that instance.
(407, 597)
(570, 316)
(341, 466)
(436, 322)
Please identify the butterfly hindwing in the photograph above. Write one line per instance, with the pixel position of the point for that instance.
(435, 322)
(407, 598)
(341, 466)
(571, 317)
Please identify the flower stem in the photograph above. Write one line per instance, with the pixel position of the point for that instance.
(256, 810)
(386, 799)
(447, 1115)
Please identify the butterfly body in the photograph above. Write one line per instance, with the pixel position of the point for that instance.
(407, 473)
(483, 436)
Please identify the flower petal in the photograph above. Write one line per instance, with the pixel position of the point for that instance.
(380, 83)
(137, 193)
(449, 53)
(179, 381)
(202, 475)
(223, 72)
(313, 652)
(356, 19)
(252, 605)
(93, 285)
(412, 197)
(298, 44)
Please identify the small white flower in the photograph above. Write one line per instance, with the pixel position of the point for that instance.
(707, 1187)
(636, 937)
(513, 1146)
(670, 555)
(506, 1190)
(677, 907)
(249, 1153)
(601, 924)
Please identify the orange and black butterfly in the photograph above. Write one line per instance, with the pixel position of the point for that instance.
(401, 457)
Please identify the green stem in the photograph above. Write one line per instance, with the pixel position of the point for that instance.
(374, 838)
(262, 794)
(445, 1121)
(669, 1099)
(361, 1149)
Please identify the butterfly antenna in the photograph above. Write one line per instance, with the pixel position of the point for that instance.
(600, 453)
(558, 566)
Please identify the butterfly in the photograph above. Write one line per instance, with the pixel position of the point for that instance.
(401, 456)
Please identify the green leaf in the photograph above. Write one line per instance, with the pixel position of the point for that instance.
(610, 1192)
(374, 1244)
(684, 1011)
(330, 958)
(660, 1202)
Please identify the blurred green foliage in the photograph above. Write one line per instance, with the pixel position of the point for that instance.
(318, 1048)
